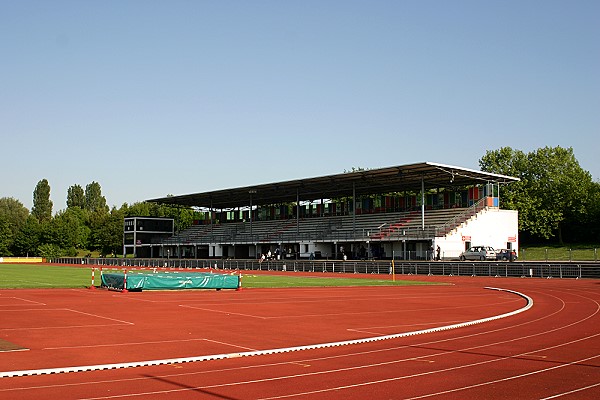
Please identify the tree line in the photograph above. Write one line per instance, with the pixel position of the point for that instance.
(86, 225)
(557, 202)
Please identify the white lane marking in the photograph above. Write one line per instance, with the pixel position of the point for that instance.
(8, 374)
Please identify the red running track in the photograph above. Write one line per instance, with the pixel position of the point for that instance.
(551, 351)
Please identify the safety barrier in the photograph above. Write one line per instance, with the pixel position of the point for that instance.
(456, 268)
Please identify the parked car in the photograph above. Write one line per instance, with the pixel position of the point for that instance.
(480, 253)
(506, 255)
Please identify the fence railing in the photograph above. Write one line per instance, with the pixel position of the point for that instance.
(483, 268)
(462, 217)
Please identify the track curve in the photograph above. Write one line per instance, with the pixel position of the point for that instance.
(550, 351)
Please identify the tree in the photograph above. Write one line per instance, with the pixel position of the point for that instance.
(96, 220)
(48, 251)
(94, 201)
(75, 197)
(140, 209)
(14, 212)
(6, 237)
(69, 230)
(591, 226)
(27, 240)
(110, 234)
(553, 194)
(514, 196)
(42, 205)
(183, 216)
(561, 185)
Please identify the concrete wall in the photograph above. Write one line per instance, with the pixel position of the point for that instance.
(490, 227)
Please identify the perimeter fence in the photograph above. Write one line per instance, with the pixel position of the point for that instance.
(453, 268)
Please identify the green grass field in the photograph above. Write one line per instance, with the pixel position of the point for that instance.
(36, 276)
(560, 253)
(18, 276)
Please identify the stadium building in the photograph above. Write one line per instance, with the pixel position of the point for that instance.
(413, 211)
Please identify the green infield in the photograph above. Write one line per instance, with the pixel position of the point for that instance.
(36, 276)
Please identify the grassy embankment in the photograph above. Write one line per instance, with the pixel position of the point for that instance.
(587, 252)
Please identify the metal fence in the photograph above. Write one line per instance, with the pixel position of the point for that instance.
(483, 268)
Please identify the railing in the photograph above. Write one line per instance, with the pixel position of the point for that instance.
(315, 235)
(462, 217)
(490, 269)
(411, 232)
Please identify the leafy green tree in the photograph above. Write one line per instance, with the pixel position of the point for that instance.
(515, 196)
(27, 240)
(84, 232)
(42, 205)
(75, 197)
(49, 250)
(96, 221)
(587, 228)
(552, 194)
(561, 186)
(49, 233)
(110, 235)
(14, 213)
(183, 216)
(94, 201)
(140, 209)
(69, 230)
(6, 237)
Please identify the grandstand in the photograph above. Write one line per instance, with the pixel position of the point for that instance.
(404, 211)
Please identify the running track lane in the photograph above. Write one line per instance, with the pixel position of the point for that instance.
(550, 351)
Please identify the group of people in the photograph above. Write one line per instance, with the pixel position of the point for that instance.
(270, 256)
(437, 254)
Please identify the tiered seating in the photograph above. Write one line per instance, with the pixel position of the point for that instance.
(274, 232)
(193, 234)
(455, 218)
(397, 226)
(375, 226)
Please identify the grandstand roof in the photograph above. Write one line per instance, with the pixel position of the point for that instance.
(381, 180)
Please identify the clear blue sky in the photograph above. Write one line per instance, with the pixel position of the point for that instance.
(151, 98)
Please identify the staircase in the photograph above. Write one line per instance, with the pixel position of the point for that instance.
(395, 228)
(461, 218)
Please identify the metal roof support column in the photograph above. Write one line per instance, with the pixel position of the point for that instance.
(250, 192)
(422, 203)
(124, 248)
(322, 210)
(135, 227)
(297, 213)
(498, 193)
(353, 210)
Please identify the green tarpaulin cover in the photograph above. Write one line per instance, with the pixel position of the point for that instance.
(175, 280)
